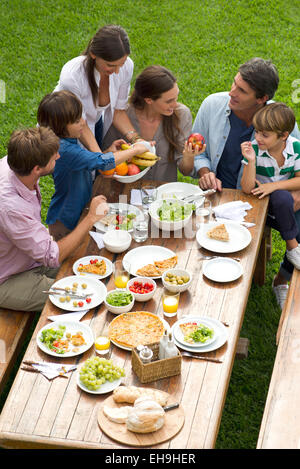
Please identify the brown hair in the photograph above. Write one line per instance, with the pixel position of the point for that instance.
(275, 117)
(57, 110)
(31, 147)
(152, 83)
(261, 75)
(110, 43)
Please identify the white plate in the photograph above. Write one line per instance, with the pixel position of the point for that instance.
(139, 257)
(126, 208)
(135, 177)
(222, 269)
(104, 388)
(239, 238)
(123, 347)
(219, 328)
(94, 286)
(180, 337)
(177, 189)
(72, 327)
(86, 260)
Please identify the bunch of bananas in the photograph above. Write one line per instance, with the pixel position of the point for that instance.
(144, 160)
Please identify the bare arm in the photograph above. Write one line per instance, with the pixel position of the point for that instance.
(123, 124)
(262, 190)
(186, 165)
(88, 139)
(249, 173)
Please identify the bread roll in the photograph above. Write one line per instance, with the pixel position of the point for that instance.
(129, 394)
(116, 414)
(145, 416)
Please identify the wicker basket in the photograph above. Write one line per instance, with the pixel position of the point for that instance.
(156, 369)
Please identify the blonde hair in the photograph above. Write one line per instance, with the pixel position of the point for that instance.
(275, 117)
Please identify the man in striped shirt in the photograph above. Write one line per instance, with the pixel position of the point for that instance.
(272, 167)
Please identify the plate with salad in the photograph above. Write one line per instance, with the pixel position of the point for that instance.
(119, 217)
(171, 214)
(65, 338)
(199, 334)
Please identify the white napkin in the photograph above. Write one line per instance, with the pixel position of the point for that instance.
(52, 370)
(98, 238)
(73, 316)
(235, 211)
(136, 197)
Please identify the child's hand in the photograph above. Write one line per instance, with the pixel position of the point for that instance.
(116, 145)
(263, 189)
(248, 151)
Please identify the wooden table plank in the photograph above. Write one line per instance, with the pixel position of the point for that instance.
(39, 413)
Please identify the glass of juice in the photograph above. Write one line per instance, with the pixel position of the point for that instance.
(121, 275)
(170, 303)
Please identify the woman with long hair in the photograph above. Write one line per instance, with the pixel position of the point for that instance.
(157, 116)
(100, 78)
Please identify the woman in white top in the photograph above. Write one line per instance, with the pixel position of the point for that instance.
(100, 78)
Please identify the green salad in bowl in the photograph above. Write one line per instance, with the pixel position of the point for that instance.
(174, 210)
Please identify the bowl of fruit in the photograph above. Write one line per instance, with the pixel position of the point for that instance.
(119, 301)
(176, 280)
(143, 288)
(137, 167)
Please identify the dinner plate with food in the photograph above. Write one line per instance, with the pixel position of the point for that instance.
(149, 261)
(224, 237)
(65, 338)
(199, 334)
(99, 375)
(128, 330)
(74, 293)
(96, 267)
(119, 217)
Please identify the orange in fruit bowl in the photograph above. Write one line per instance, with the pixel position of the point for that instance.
(108, 172)
(122, 169)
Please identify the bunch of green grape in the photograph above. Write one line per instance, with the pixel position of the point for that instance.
(97, 370)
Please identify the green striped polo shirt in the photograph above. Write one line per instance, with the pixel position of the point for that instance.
(267, 169)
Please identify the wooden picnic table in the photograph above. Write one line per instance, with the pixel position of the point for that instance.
(57, 414)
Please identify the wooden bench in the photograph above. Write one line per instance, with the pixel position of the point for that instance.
(14, 327)
(280, 427)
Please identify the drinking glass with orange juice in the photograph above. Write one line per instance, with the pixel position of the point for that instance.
(170, 303)
(121, 275)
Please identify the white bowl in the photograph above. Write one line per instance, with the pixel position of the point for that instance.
(167, 225)
(135, 177)
(119, 309)
(117, 240)
(176, 288)
(142, 296)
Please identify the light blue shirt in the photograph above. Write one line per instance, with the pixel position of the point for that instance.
(212, 121)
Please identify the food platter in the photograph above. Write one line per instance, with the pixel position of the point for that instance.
(239, 238)
(179, 336)
(219, 329)
(177, 189)
(125, 209)
(222, 269)
(71, 327)
(117, 322)
(141, 256)
(97, 289)
(86, 260)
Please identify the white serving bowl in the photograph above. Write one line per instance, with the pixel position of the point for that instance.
(177, 288)
(119, 309)
(142, 296)
(167, 225)
(117, 240)
(135, 177)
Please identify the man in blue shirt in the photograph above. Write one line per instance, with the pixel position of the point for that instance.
(225, 121)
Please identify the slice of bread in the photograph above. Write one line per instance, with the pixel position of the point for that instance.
(219, 233)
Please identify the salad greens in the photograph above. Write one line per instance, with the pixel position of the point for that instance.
(201, 334)
(119, 298)
(174, 211)
(49, 336)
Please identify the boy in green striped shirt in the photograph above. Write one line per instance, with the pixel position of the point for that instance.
(272, 167)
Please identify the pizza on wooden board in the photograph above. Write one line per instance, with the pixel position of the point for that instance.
(136, 328)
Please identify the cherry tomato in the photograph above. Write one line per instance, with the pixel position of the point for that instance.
(88, 300)
(80, 303)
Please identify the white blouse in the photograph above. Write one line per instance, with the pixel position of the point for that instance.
(73, 78)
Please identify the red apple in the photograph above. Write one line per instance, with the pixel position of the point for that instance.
(133, 169)
(196, 139)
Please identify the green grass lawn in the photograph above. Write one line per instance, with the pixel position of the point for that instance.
(203, 43)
